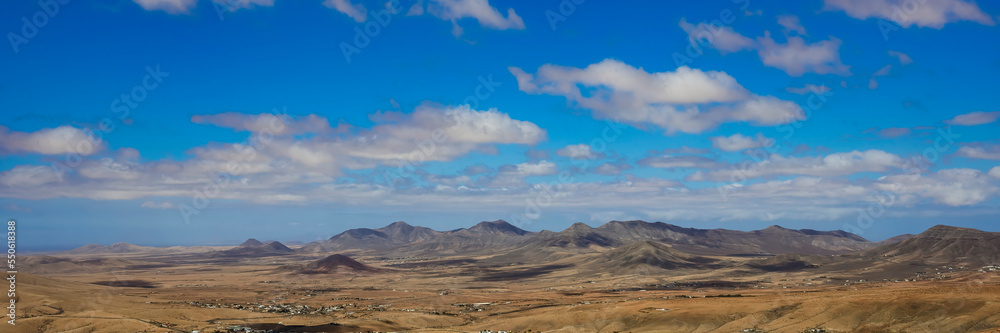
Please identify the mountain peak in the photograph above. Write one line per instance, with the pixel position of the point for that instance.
(397, 225)
(252, 242)
(776, 228)
(498, 226)
(579, 226)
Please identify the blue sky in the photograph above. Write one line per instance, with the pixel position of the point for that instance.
(163, 122)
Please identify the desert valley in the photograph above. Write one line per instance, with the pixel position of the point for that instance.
(624, 276)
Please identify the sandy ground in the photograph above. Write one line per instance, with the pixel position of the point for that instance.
(156, 293)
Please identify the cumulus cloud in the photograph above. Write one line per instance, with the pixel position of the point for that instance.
(836, 164)
(679, 161)
(796, 57)
(893, 132)
(808, 89)
(50, 141)
(355, 11)
(737, 142)
(686, 100)
(980, 151)
(169, 6)
(185, 6)
(791, 24)
(579, 152)
(611, 169)
(157, 205)
(514, 175)
(903, 58)
(480, 10)
(995, 172)
(928, 13)
(974, 118)
(952, 187)
(722, 38)
(263, 169)
(273, 124)
(27, 176)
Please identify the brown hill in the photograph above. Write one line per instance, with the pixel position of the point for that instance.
(51, 265)
(113, 248)
(646, 255)
(944, 244)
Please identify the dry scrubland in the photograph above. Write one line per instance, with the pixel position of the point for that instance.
(650, 287)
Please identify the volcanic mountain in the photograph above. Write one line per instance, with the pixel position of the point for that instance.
(252, 242)
(943, 244)
(487, 236)
(265, 250)
(499, 236)
(393, 235)
(332, 264)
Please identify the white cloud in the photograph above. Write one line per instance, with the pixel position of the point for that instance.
(904, 59)
(185, 6)
(611, 169)
(514, 175)
(872, 82)
(808, 89)
(952, 187)
(679, 161)
(273, 124)
(355, 11)
(974, 118)
(894, 132)
(26, 176)
(579, 152)
(157, 205)
(169, 6)
(722, 38)
(985, 152)
(234, 5)
(737, 142)
(50, 141)
(686, 100)
(836, 164)
(995, 172)
(797, 58)
(926, 13)
(480, 10)
(791, 24)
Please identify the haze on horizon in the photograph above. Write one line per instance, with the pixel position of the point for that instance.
(185, 122)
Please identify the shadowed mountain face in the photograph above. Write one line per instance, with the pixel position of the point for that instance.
(945, 244)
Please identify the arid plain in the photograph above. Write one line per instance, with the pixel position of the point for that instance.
(628, 276)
